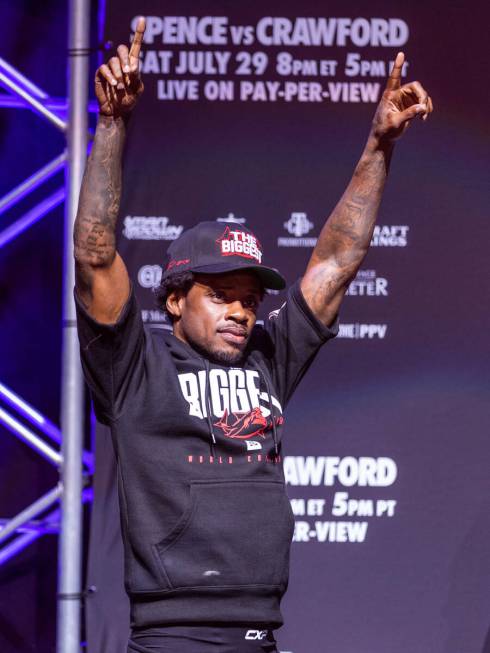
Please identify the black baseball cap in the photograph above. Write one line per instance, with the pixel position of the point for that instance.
(216, 248)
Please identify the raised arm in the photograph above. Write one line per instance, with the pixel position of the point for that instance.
(344, 240)
(102, 281)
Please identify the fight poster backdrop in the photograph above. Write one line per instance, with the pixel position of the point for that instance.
(256, 114)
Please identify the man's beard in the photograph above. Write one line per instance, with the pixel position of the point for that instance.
(227, 357)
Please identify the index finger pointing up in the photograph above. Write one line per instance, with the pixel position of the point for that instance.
(138, 37)
(394, 80)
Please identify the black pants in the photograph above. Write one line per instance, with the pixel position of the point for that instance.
(203, 639)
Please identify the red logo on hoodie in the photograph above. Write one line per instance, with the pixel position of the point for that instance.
(243, 425)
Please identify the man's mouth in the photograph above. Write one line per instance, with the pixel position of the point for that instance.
(234, 335)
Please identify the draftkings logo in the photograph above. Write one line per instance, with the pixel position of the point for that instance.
(141, 227)
(234, 242)
(390, 236)
(367, 284)
(298, 226)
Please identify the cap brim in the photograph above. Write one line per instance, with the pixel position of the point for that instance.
(270, 277)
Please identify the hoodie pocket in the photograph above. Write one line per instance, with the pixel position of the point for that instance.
(233, 533)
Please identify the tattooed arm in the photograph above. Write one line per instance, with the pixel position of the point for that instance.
(344, 240)
(102, 281)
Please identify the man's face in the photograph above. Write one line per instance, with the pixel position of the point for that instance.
(218, 314)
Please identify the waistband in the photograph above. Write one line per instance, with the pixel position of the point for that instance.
(203, 638)
(240, 606)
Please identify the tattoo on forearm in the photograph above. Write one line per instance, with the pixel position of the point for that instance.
(348, 231)
(100, 196)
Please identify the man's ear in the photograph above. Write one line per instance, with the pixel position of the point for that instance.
(174, 303)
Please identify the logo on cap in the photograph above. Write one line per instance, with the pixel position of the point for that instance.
(173, 263)
(234, 242)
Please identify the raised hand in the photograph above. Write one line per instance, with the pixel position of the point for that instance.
(118, 83)
(399, 105)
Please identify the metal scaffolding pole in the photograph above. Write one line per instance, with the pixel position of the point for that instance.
(70, 546)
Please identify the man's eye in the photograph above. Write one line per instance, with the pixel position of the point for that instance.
(251, 303)
(218, 294)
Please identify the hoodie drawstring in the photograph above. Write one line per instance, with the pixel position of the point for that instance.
(208, 409)
(271, 408)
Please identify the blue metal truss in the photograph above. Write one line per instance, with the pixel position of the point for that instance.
(19, 417)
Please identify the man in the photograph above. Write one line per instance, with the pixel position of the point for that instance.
(196, 415)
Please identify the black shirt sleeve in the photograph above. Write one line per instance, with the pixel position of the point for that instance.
(112, 357)
(296, 335)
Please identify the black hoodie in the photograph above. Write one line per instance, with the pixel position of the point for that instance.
(206, 521)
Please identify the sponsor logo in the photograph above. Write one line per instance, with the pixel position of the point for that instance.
(357, 331)
(153, 315)
(149, 276)
(298, 225)
(234, 242)
(174, 263)
(141, 227)
(390, 236)
(368, 284)
(256, 634)
(231, 217)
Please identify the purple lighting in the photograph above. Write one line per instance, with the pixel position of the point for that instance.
(34, 510)
(17, 545)
(22, 80)
(30, 438)
(32, 216)
(36, 105)
(35, 526)
(34, 416)
(57, 105)
(49, 524)
(31, 413)
(32, 182)
(30, 531)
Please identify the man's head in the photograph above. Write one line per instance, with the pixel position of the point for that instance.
(214, 313)
(212, 283)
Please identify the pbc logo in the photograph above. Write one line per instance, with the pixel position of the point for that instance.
(234, 242)
(298, 224)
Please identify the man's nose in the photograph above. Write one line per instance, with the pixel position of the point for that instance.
(236, 312)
